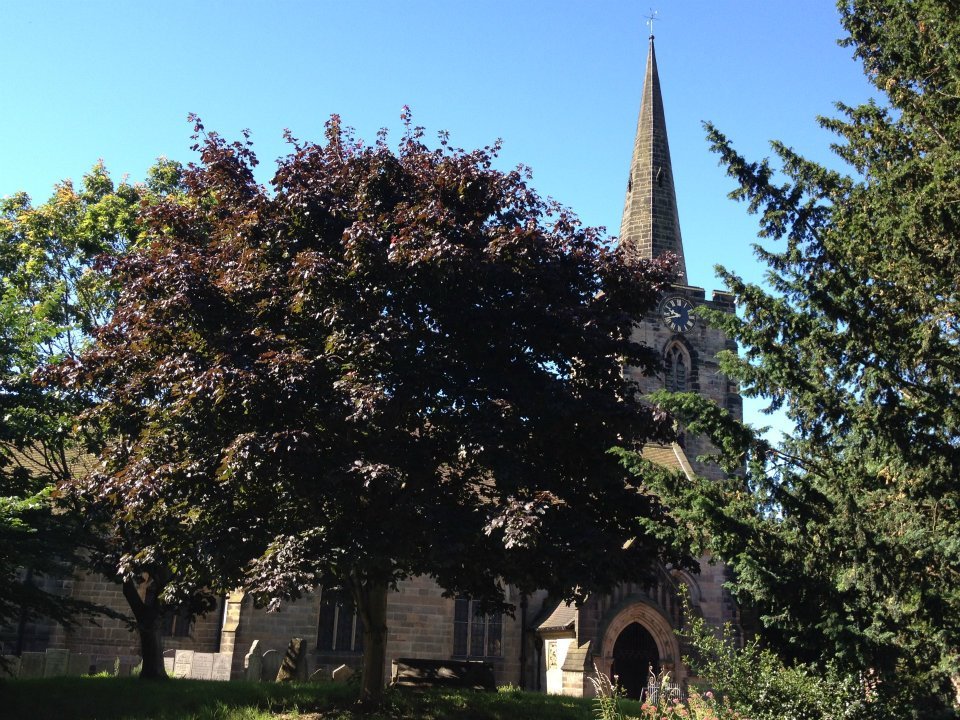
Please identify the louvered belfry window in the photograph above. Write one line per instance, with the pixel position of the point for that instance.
(676, 368)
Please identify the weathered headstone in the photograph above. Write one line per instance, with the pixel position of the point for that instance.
(10, 666)
(168, 660)
(202, 668)
(56, 661)
(342, 674)
(31, 665)
(271, 665)
(182, 663)
(292, 666)
(221, 666)
(253, 663)
(78, 664)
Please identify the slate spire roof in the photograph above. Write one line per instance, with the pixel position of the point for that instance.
(650, 226)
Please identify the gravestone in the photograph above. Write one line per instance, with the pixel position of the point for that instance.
(168, 660)
(253, 663)
(182, 663)
(271, 665)
(342, 674)
(31, 665)
(78, 664)
(10, 667)
(202, 667)
(56, 661)
(221, 666)
(293, 667)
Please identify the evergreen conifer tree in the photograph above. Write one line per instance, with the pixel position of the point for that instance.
(846, 536)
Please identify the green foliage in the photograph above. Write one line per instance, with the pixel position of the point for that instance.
(845, 536)
(754, 683)
(609, 703)
(32, 543)
(53, 295)
(607, 697)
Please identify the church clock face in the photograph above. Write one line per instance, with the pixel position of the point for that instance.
(677, 314)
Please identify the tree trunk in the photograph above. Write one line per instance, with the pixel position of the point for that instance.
(146, 611)
(372, 607)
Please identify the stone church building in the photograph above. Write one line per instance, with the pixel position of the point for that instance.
(551, 647)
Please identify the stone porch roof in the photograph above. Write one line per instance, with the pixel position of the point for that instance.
(562, 617)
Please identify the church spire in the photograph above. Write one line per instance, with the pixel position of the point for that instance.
(650, 225)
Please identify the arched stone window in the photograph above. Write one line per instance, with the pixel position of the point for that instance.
(676, 368)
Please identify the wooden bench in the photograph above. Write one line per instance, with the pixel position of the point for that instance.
(418, 673)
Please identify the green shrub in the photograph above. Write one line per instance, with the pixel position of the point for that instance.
(757, 685)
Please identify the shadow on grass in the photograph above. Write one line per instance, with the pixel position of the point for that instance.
(477, 705)
(97, 698)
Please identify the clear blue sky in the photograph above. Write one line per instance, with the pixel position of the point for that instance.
(558, 80)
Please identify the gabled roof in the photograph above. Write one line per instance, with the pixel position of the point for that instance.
(562, 617)
(670, 456)
(40, 462)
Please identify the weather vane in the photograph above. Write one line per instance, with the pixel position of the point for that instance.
(650, 19)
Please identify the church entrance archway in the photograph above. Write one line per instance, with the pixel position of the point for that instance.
(661, 643)
(634, 654)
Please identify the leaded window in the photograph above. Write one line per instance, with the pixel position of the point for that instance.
(475, 633)
(339, 628)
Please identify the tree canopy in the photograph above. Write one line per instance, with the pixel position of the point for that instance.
(845, 536)
(52, 297)
(390, 363)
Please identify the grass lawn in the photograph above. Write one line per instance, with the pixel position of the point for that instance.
(107, 698)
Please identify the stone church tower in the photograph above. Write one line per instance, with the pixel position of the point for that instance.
(632, 630)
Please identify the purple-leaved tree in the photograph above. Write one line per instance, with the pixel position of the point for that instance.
(390, 363)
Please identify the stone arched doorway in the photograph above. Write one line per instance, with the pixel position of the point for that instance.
(635, 653)
(654, 623)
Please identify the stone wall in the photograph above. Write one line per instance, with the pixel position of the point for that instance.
(104, 639)
(275, 629)
(34, 635)
(109, 637)
(419, 621)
